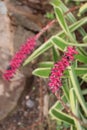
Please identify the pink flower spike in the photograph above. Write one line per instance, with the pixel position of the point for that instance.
(59, 67)
(19, 57)
(25, 50)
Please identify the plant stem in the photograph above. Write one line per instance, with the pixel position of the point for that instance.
(45, 28)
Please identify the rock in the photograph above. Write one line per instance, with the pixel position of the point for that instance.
(23, 16)
(27, 23)
(5, 30)
(3, 9)
(10, 92)
(30, 103)
(41, 6)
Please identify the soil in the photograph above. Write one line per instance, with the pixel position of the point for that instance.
(29, 116)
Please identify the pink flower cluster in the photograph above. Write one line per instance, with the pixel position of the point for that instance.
(59, 67)
(19, 57)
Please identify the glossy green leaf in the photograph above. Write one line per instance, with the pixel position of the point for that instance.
(59, 42)
(42, 72)
(81, 58)
(58, 115)
(74, 26)
(61, 20)
(55, 54)
(72, 100)
(44, 64)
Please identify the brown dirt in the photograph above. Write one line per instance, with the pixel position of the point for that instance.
(25, 118)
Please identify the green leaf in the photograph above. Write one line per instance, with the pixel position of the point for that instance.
(72, 100)
(78, 70)
(74, 26)
(81, 58)
(65, 9)
(59, 42)
(61, 20)
(42, 72)
(84, 92)
(58, 115)
(58, 105)
(83, 118)
(85, 39)
(83, 9)
(77, 89)
(70, 17)
(81, 71)
(48, 64)
(73, 107)
(84, 77)
(55, 54)
(55, 2)
(49, 15)
(66, 91)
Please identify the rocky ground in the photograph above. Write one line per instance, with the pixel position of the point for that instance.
(24, 102)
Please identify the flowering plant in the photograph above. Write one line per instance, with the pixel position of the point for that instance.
(71, 68)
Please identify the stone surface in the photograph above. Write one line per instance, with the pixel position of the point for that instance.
(23, 16)
(3, 9)
(5, 30)
(30, 103)
(9, 91)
